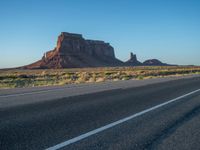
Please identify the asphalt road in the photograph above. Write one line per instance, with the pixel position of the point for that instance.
(28, 120)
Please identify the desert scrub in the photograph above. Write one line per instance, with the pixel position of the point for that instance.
(92, 78)
(28, 78)
(148, 77)
(83, 77)
(197, 72)
(140, 77)
(100, 79)
(127, 77)
(108, 73)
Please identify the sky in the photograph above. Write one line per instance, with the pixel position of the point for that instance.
(168, 30)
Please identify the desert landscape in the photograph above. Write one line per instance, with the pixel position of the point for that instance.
(100, 75)
(77, 60)
(46, 77)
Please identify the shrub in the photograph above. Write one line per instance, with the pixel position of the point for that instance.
(140, 77)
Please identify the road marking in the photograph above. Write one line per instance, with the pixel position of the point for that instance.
(98, 130)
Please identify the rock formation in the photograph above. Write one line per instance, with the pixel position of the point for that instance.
(154, 62)
(73, 51)
(133, 61)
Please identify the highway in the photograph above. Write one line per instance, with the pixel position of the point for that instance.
(159, 114)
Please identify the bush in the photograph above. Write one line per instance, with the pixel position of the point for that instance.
(140, 77)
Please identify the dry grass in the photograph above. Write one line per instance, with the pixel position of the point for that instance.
(31, 78)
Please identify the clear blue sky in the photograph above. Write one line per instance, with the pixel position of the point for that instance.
(165, 29)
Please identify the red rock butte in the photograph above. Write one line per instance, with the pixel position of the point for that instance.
(73, 51)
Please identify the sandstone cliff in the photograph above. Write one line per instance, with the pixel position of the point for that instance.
(73, 51)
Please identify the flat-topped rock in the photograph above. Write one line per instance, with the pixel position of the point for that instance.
(72, 35)
(73, 51)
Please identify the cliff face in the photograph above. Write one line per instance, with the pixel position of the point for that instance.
(75, 44)
(73, 51)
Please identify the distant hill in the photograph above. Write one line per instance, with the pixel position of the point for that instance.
(154, 62)
(73, 51)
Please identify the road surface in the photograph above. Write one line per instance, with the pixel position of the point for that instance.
(147, 114)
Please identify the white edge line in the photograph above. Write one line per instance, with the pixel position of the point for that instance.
(90, 133)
